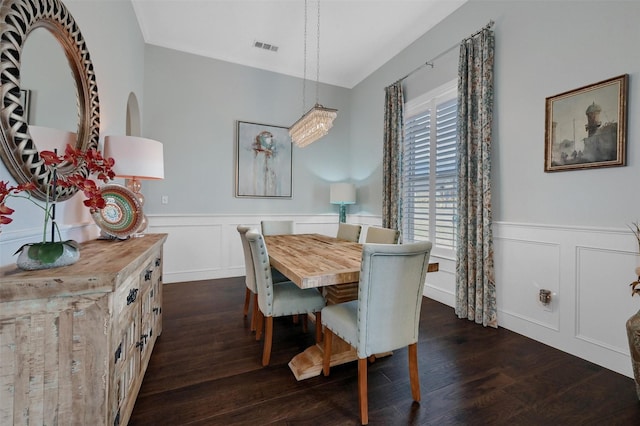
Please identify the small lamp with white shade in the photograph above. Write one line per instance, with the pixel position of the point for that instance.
(135, 158)
(342, 194)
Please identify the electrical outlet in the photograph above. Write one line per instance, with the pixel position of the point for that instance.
(165, 199)
(545, 299)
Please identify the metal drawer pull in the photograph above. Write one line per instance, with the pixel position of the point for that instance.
(142, 342)
(147, 275)
(118, 353)
(133, 294)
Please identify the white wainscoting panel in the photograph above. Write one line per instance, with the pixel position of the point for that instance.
(440, 286)
(603, 296)
(193, 250)
(589, 271)
(520, 277)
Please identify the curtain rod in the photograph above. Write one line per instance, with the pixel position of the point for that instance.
(430, 61)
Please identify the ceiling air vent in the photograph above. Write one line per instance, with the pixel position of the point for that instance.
(265, 46)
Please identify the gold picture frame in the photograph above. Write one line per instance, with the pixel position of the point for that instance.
(586, 127)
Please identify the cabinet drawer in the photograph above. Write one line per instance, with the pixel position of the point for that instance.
(126, 363)
(152, 273)
(126, 297)
(150, 308)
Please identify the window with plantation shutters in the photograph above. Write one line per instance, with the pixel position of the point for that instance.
(430, 173)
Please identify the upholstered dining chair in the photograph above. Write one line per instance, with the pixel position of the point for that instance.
(382, 235)
(251, 292)
(349, 232)
(250, 278)
(276, 227)
(386, 315)
(281, 299)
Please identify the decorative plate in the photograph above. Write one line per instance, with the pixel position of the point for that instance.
(122, 215)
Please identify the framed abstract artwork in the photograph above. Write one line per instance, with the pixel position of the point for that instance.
(586, 127)
(263, 161)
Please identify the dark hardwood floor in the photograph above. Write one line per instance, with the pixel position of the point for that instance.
(205, 370)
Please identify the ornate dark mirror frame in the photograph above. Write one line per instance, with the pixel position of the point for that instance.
(17, 150)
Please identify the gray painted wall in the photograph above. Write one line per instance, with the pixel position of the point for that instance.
(543, 48)
(111, 31)
(193, 104)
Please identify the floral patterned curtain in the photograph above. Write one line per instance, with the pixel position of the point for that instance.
(392, 157)
(475, 280)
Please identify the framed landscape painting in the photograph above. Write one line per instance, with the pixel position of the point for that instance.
(586, 127)
(263, 161)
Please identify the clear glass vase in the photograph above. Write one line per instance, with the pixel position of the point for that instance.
(69, 255)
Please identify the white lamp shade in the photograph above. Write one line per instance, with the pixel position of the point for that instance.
(135, 157)
(342, 193)
(50, 139)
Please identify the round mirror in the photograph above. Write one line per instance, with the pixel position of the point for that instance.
(18, 151)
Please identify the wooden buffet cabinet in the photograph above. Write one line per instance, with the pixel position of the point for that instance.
(75, 341)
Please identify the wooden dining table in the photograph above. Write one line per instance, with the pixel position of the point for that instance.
(329, 264)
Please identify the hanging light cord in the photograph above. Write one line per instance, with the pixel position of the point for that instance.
(304, 72)
(304, 68)
(318, 56)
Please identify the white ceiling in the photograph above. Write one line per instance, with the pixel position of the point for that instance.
(356, 36)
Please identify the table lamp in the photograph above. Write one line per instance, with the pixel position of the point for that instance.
(342, 194)
(135, 158)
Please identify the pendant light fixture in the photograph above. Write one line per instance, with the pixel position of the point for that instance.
(316, 122)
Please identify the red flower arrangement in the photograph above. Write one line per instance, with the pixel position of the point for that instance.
(96, 164)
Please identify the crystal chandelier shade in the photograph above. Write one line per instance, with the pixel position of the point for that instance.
(313, 125)
(316, 122)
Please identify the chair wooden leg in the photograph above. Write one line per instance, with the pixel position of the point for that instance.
(259, 324)
(247, 301)
(326, 357)
(296, 317)
(414, 377)
(305, 323)
(362, 390)
(318, 327)
(254, 315)
(268, 338)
